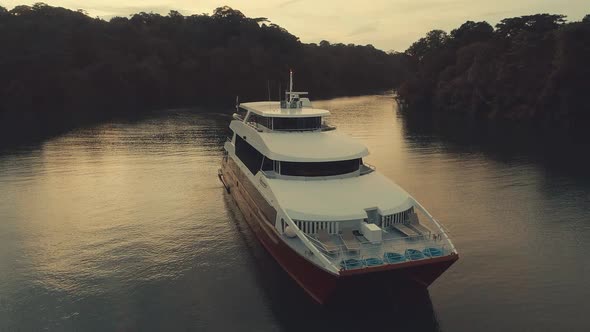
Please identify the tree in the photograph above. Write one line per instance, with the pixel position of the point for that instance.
(539, 23)
(471, 32)
(57, 64)
(21, 10)
(531, 68)
(228, 13)
(434, 40)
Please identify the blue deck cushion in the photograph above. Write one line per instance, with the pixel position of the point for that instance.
(373, 261)
(351, 264)
(414, 254)
(432, 252)
(393, 257)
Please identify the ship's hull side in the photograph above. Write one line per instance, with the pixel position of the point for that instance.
(321, 285)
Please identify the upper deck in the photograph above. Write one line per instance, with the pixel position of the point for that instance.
(272, 109)
(340, 198)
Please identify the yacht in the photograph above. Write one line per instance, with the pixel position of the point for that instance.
(332, 222)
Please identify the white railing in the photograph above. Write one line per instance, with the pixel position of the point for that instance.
(339, 254)
(312, 227)
(396, 218)
(444, 231)
(328, 264)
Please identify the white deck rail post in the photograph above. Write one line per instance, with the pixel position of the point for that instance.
(327, 263)
(416, 203)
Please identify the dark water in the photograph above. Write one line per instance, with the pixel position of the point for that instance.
(125, 227)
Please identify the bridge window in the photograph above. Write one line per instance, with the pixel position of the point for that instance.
(248, 155)
(261, 120)
(267, 164)
(308, 123)
(320, 168)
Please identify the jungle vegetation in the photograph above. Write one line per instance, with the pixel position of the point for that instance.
(60, 67)
(532, 68)
(63, 66)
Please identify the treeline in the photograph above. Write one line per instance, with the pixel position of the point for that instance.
(59, 65)
(534, 68)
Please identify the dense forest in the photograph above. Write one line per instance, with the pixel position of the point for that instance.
(62, 66)
(532, 68)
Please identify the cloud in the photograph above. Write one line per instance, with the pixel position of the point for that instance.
(431, 5)
(363, 29)
(287, 3)
(111, 11)
(503, 13)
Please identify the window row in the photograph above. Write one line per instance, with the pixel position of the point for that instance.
(255, 161)
(307, 123)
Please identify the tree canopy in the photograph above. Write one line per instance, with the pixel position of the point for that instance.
(61, 65)
(531, 67)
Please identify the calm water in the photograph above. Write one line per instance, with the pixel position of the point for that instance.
(125, 227)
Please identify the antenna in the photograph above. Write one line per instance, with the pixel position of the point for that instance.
(237, 102)
(268, 88)
(280, 98)
(290, 80)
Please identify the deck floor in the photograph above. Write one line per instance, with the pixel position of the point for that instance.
(393, 242)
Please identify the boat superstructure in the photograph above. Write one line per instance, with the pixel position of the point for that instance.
(330, 220)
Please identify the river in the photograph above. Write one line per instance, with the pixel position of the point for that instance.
(124, 226)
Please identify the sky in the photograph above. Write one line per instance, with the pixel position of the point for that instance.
(386, 24)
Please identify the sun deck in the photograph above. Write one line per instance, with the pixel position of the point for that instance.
(340, 199)
(406, 236)
(273, 109)
(395, 248)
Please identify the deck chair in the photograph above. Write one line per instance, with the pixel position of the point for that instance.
(405, 230)
(350, 241)
(324, 239)
(415, 224)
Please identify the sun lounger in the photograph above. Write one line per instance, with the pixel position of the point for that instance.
(350, 241)
(405, 230)
(324, 239)
(414, 223)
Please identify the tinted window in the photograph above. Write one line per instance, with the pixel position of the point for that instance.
(320, 169)
(248, 155)
(267, 164)
(261, 120)
(297, 123)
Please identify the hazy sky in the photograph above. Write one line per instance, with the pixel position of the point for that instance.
(387, 24)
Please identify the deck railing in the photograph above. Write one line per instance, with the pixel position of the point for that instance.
(414, 248)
